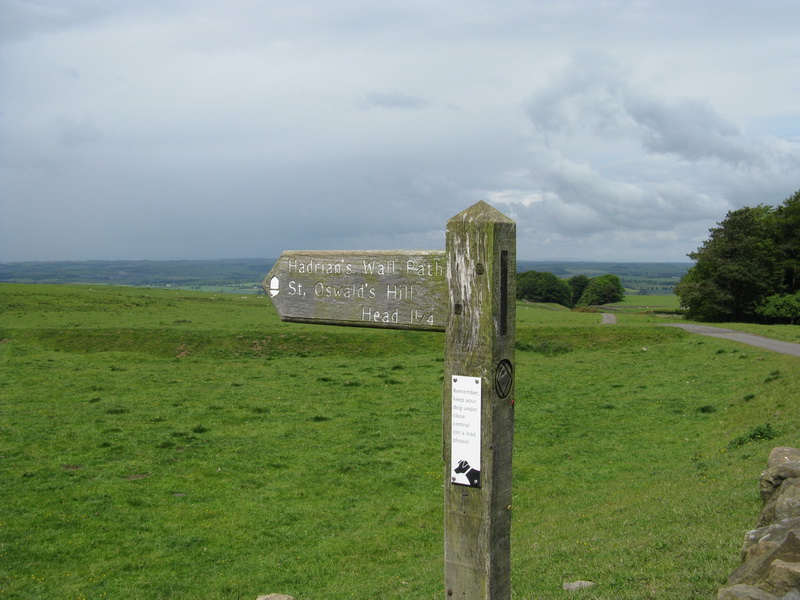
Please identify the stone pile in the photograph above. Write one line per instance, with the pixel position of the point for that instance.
(770, 568)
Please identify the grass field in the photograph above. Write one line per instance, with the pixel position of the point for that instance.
(645, 303)
(171, 444)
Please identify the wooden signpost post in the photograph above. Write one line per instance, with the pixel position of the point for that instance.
(467, 291)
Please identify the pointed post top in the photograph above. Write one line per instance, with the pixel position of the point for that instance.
(483, 212)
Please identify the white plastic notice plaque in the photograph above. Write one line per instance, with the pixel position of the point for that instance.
(465, 461)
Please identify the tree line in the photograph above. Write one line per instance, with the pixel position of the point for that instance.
(580, 290)
(748, 270)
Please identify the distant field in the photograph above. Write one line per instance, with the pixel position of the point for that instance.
(174, 444)
(650, 302)
(244, 276)
(230, 275)
(249, 287)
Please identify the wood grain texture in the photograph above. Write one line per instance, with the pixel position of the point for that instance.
(480, 336)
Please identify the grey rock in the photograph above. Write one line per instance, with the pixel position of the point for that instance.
(783, 578)
(744, 592)
(783, 504)
(760, 556)
(574, 586)
(783, 454)
(774, 476)
(770, 567)
(775, 533)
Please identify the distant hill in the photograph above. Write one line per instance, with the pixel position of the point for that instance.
(636, 277)
(245, 275)
(140, 273)
(621, 269)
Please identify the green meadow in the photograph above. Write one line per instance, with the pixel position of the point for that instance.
(168, 444)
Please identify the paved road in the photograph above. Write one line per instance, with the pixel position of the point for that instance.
(739, 336)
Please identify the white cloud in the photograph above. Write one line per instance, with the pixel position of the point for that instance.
(621, 129)
(613, 161)
(512, 197)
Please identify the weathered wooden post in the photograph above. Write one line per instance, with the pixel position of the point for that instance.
(479, 365)
(468, 291)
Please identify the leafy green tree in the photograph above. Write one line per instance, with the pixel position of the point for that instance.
(786, 224)
(780, 308)
(578, 284)
(536, 286)
(602, 290)
(735, 268)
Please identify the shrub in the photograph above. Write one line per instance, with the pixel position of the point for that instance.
(765, 431)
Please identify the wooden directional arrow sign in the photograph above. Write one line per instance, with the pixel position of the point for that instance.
(389, 289)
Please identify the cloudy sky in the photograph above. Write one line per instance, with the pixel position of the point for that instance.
(178, 129)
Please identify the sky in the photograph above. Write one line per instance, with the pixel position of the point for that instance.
(609, 130)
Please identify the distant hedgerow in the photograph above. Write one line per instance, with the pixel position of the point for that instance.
(546, 347)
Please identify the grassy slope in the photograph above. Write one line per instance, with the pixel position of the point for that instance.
(647, 308)
(172, 444)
